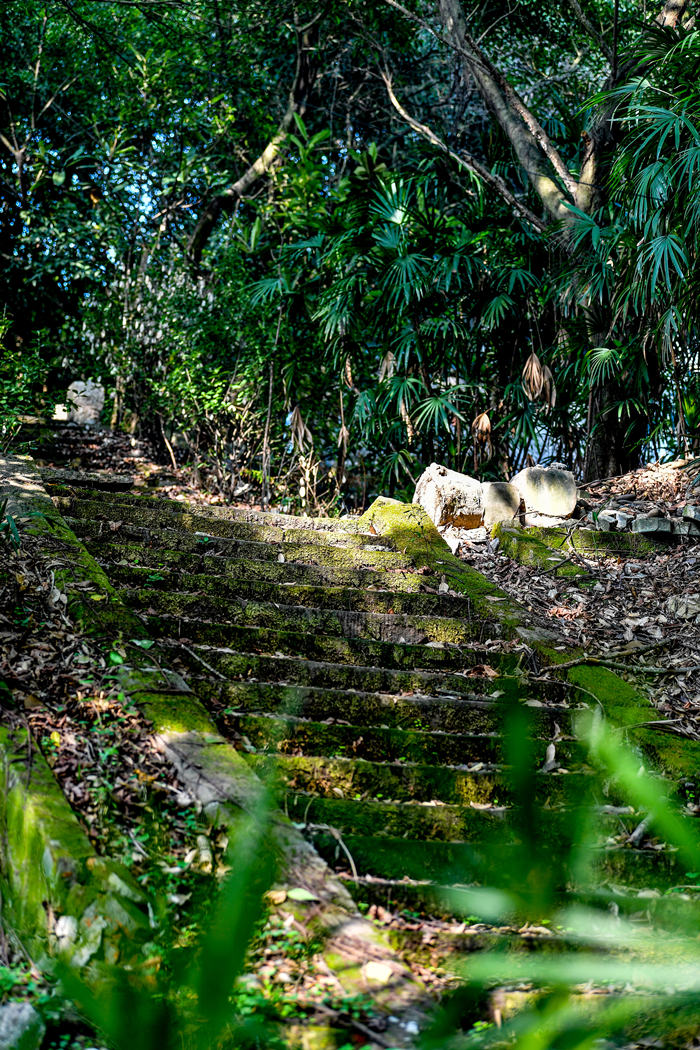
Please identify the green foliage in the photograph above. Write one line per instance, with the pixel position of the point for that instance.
(22, 372)
(556, 886)
(189, 1003)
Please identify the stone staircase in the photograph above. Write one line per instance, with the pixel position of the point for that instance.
(375, 697)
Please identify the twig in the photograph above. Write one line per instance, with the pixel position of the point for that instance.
(352, 1022)
(643, 725)
(617, 654)
(639, 832)
(565, 561)
(337, 836)
(203, 662)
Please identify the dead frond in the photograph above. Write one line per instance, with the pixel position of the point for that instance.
(387, 366)
(347, 373)
(532, 377)
(301, 435)
(481, 433)
(538, 382)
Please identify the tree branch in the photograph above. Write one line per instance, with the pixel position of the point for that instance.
(531, 144)
(304, 77)
(585, 23)
(464, 159)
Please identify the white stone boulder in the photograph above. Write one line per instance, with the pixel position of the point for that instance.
(85, 401)
(501, 502)
(547, 491)
(21, 1027)
(450, 498)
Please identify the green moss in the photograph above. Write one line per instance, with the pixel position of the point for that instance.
(410, 529)
(535, 545)
(526, 547)
(175, 714)
(626, 707)
(50, 871)
(157, 517)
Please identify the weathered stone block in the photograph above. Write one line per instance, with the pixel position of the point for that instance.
(21, 1027)
(501, 502)
(450, 498)
(656, 526)
(547, 490)
(85, 401)
(687, 528)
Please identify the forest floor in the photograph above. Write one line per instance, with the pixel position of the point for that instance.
(640, 613)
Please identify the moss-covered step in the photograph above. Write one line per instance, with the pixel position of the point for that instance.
(213, 772)
(322, 647)
(282, 573)
(445, 945)
(71, 484)
(305, 671)
(59, 898)
(156, 571)
(155, 518)
(353, 778)
(348, 623)
(474, 712)
(423, 898)
(409, 529)
(58, 481)
(545, 547)
(324, 554)
(292, 735)
(473, 862)
(432, 822)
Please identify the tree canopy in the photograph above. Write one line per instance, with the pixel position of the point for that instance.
(328, 245)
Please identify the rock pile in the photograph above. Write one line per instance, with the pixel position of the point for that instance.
(635, 515)
(543, 496)
(456, 502)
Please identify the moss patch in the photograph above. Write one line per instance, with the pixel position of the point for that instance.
(58, 896)
(535, 545)
(528, 548)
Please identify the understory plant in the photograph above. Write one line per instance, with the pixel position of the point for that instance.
(605, 974)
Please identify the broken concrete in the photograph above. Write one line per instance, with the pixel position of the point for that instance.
(501, 502)
(449, 498)
(547, 490)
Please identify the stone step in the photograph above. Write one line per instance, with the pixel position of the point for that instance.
(433, 821)
(396, 858)
(298, 670)
(57, 481)
(63, 484)
(444, 945)
(195, 521)
(282, 574)
(471, 713)
(173, 540)
(420, 782)
(314, 646)
(347, 623)
(427, 899)
(292, 735)
(308, 590)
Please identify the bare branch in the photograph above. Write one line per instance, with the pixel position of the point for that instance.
(464, 159)
(226, 202)
(533, 147)
(585, 23)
